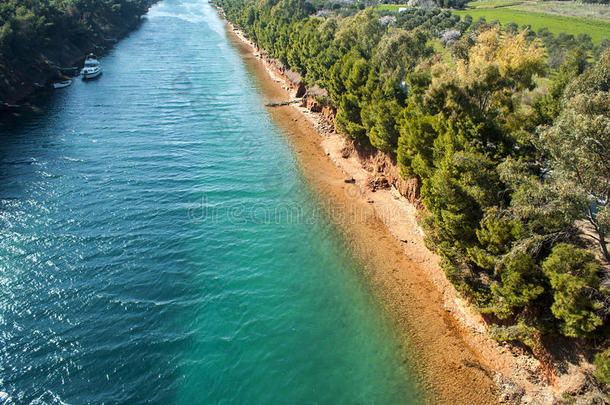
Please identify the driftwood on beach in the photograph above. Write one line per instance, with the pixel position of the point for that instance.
(283, 103)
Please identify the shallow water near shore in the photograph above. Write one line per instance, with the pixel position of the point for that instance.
(159, 244)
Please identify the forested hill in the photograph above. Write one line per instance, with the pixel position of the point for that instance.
(38, 36)
(507, 131)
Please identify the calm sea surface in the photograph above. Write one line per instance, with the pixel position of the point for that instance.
(158, 244)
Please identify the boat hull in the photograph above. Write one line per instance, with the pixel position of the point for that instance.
(61, 85)
(91, 75)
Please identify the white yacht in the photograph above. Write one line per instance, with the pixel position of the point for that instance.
(92, 67)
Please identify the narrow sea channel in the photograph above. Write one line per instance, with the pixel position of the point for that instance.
(158, 244)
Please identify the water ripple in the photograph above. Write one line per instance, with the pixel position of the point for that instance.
(138, 261)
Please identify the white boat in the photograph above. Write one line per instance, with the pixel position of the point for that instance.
(92, 67)
(61, 85)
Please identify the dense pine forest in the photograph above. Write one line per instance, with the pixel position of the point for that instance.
(39, 36)
(508, 132)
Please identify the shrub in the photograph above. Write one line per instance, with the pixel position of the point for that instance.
(572, 273)
(602, 362)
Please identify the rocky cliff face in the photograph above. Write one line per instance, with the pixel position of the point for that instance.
(383, 170)
(384, 173)
(275, 67)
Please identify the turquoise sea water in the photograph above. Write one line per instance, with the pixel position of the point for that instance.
(158, 245)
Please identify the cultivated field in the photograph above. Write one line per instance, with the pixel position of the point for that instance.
(558, 16)
(391, 7)
(563, 8)
(569, 17)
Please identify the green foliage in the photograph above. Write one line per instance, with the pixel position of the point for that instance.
(520, 284)
(572, 273)
(399, 51)
(348, 118)
(602, 363)
(498, 205)
(453, 137)
(380, 119)
(457, 4)
(415, 145)
(495, 236)
(570, 25)
(548, 106)
(544, 217)
(577, 147)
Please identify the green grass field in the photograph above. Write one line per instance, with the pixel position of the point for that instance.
(493, 3)
(391, 7)
(509, 11)
(562, 8)
(534, 15)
